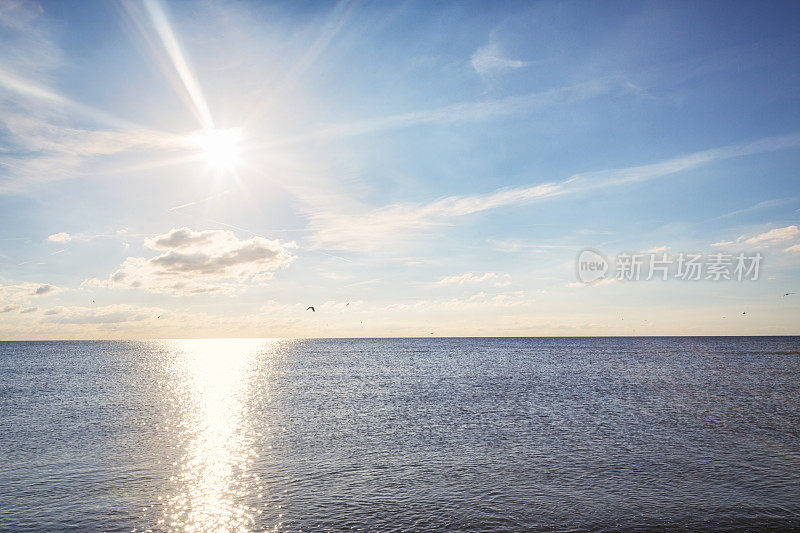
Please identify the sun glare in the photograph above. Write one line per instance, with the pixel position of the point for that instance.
(221, 148)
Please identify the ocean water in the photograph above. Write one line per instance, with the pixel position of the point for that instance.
(563, 434)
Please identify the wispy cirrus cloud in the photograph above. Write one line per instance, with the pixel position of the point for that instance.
(461, 112)
(373, 228)
(766, 204)
(489, 60)
(42, 143)
(45, 150)
(363, 228)
(112, 314)
(511, 246)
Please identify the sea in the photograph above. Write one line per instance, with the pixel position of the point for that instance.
(433, 434)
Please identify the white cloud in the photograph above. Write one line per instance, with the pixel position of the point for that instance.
(113, 314)
(335, 276)
(468, 277)
(201, 261)
(512, 246)
(773, 236)
(479, 301)
(184, 238)
(510, 299)
(489, 60)
(657, 250)
(19, 295)
(604, 281)
(506, 281)
(59, 237)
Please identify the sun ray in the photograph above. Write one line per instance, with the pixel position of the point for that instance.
(183, 76)
(30, 89)
(332, 27)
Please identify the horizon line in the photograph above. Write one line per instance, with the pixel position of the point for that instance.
(676, 336)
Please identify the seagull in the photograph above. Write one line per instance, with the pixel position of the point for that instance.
(312, 308)
(787, 294)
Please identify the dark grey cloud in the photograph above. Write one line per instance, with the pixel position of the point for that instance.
(44, 289)
(255, 251)
(181, 238)
(194, 262)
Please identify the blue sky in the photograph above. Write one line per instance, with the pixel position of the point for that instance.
(213, 168)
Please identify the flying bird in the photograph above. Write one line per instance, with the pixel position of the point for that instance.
(787, 294)
(312, 308)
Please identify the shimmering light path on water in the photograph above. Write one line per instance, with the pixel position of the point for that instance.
(402, 434)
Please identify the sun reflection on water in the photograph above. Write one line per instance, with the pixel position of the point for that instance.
(213, 486)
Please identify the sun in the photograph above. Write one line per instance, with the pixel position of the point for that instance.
(221, 148)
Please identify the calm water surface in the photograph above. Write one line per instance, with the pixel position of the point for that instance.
(402, 434)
